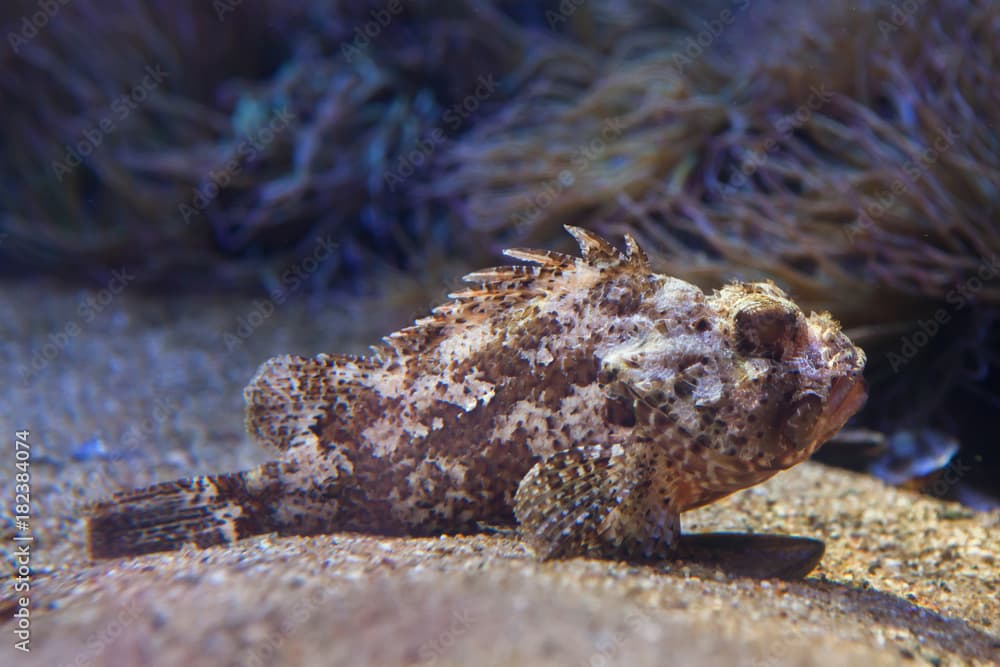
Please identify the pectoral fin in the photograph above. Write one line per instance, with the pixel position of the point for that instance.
(599, 501)
(563, 499)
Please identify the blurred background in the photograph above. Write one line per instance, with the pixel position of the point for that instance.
(179, 176)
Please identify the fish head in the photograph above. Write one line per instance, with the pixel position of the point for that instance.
(740, 380)
(799, 377)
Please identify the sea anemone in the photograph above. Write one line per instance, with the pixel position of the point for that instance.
(849, 152)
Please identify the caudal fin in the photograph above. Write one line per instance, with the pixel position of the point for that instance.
(205, 511)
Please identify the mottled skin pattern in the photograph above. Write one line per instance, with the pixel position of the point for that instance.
(589, 399)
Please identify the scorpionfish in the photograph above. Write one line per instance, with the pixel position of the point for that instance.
(587, 400)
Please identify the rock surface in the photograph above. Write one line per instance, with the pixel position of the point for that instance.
(905, 579)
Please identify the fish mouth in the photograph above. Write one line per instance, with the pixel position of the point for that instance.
(847, 394)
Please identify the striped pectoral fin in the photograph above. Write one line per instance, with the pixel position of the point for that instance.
(594, 501)
(203, 511)
(564, 498)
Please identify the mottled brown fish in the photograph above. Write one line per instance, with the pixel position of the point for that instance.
(588, 399)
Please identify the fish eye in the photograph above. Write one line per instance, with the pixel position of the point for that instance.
(767, 329)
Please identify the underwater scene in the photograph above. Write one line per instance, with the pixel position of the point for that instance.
(483, 332)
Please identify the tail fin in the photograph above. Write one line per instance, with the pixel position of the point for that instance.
(205, 511)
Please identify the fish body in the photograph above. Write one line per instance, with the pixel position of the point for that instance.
(589, 400)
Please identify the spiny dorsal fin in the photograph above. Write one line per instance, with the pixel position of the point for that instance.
(634, 255)
(311, 385)
(503, 274)
(519, 280)
(467, 307)
(548, 258)
(474, 298)
(595, 250)
(504, 287)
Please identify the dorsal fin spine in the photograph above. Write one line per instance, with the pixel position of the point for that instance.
(507, 286)
(595, 250)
